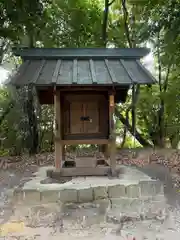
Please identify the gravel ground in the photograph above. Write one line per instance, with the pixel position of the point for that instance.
(8, 180)
(48, 222)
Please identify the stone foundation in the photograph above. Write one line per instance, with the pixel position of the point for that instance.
(133, 186)
(86, 194)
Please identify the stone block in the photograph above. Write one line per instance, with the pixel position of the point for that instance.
(102, 205)
(133, 191)
(151, 188)
(56, 174)
(32, 196)
(136, 205)
(18, 195)
(121, 203)
(130, 207)
(85, 195)
(87, 205)
(68, 195)
(159, 188)
(158, 205)
(159, 197)
(145, 186)
(151, 209)
(49, 173)
(100, 192)
(125, 207)
(116, 191)
(67, 208)
(49, 196)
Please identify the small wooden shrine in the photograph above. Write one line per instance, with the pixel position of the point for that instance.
(84, 85)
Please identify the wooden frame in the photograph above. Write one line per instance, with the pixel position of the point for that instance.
(112, 134)
(85, 141)
(61, 140)
(45, 94)
(99, 98)
(58, 130)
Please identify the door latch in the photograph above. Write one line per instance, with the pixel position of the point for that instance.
(86, 118)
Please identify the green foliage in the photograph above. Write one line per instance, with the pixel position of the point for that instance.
(4, 152)
(73, 24)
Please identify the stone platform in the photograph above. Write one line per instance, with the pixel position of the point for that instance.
(133, 187)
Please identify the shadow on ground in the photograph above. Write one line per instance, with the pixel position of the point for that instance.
(9, 180)
(162, 173)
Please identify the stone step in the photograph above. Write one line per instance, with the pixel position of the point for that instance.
(115, 209)
(79, 194)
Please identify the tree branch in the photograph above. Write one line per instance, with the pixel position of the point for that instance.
(167, 76)
(109, 4)
(124, 136)
(131, 107)
(159, 62)
(135, 133)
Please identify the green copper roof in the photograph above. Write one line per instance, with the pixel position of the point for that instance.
(82, 66)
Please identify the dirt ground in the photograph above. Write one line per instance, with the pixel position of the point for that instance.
(51, 222)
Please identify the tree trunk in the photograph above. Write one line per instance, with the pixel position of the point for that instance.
(32, 117)
(174, 141)
(52, 136)
(105, 22)
(135, 133)
(126, 26)
(33, 125)
(161, 110)
(125, 121)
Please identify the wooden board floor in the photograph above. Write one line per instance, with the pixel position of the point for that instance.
(80, 171)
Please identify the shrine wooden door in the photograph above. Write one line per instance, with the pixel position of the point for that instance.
(84, 117)
(91, 111)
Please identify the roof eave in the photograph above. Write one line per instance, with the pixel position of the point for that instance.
(81, 53)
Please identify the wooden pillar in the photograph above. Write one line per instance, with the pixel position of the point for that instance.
(58, 134)
(64, 152)
(112, 135)
(106, 151)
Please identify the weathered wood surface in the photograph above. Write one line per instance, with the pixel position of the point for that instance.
(58, 132)
(81, 171)
(112, 135)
